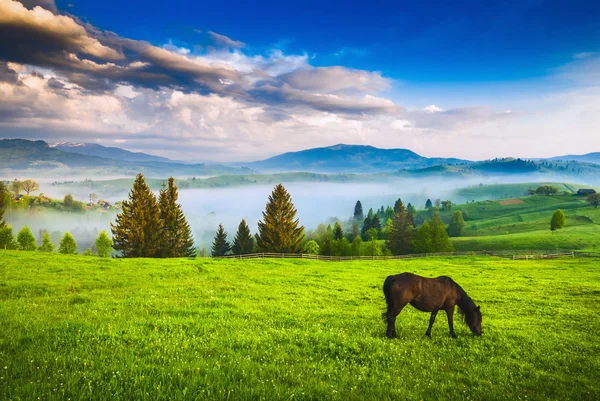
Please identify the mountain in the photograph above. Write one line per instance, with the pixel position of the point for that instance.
(17, 155)
(349, 159)
(587, 158)
(93, 149)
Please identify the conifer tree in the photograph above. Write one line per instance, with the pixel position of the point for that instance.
(176, 238)
(440, 241)
(326, 247)
(400, 235)
(3, 202)
(338, 233)
(47, 244)
(67, 244)
(220, 246)
(358, 211)
(456, 228)
(243, 242)
(104, 244)
(137, 231)
(397, 205)
(26, 240)
(279, 231)
(428, 204)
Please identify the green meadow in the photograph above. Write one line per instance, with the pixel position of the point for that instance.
(75, 327)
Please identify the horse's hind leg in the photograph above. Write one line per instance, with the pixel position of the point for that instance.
(391, 320)
(450, 313)
(431, 321)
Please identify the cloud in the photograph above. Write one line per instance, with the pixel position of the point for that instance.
(224, 41)
(47, 4)
(336, 79)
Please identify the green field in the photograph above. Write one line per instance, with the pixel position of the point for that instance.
(77, 327)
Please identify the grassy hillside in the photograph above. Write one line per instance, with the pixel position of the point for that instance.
(114, 329)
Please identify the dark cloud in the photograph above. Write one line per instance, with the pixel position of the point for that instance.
(8, 75)
(47, 4)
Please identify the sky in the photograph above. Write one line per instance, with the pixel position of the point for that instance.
(243, 81)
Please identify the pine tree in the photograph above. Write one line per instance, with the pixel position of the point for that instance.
(279, 231)
(67, 244)
(137, 231)
(428, 204)
(3, 202)
(456, 228)
(400, 235)
(220, 246)
(176, 240)
(47, 244)
(338, 233)
(26, 240)
(440, 241)
(243, 242)
(397, 205)
(558, 220)
(358, 211)
(104, 244)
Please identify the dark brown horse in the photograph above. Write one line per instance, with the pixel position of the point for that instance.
(428, 295)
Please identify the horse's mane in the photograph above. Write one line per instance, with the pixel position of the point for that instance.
(466, 306)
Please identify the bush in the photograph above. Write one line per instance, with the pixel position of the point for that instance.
(88, 252)
(26, 240)
(103, 244)
(558, 220)
(67, 244)
(7, 239)
(47, 244)
(311, 247)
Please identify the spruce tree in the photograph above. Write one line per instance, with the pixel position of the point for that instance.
(428, 204)
(104, 244)
(3, 202)
(397, 205)
(456, 228)
(358, 211)
(338, 233)
(176, 240)
(26, 240)
(47, 244)
(279, 231)
(400, 235)
(137, 231)
(220, 246)
(440, 241)
(67, 245)
(243, 243)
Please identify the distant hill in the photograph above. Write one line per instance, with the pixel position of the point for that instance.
(20, 154)
(349, 159)
(587, 158)
(93, 149)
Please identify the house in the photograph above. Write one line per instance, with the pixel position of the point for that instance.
(583, 192)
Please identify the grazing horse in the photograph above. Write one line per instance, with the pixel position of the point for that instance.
(428, 295)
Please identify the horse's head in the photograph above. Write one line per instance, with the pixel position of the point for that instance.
(473, 320)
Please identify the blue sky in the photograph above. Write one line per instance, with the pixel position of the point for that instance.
(245, 80)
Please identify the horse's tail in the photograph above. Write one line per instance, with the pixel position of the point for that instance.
(387, 291)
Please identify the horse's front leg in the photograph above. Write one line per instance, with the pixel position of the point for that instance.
(450, 313)
(391, 321)
(431, 321)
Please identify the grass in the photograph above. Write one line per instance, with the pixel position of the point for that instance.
(113, 329)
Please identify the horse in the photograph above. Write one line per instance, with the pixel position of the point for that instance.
(428, 295)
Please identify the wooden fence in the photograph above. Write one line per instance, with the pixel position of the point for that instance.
(515, 255)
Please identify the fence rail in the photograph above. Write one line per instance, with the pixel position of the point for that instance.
(515, 255)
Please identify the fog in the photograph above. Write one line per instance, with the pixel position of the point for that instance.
(316, 203)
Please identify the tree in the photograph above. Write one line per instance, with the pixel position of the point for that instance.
(340, 247)
(446, 205)
(176, 238)
(220, 246)
(373, 246)
(311, 247)
(30, 186)
(47, 244)
(438, 203)
(104, 244)
(326, 246)
(67, 244)
(546, 190)
(279, 231)
(16, 186)
(594, 199)
(7, 240)
(4, 199)
(428, 204)
(422, 239)
(26, 239)
(68, 200)
(411, 209)
(440, 241)
(558, 220)
(397, 205)
(88, 252)
(456, 228)
(93, 197)
(358, 211)
(137, 230)
(338, 233)
(356, 246)
(243, 242)
(399, 240)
